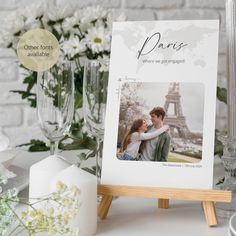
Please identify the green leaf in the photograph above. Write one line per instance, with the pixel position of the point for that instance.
(31, 97)
(31, 80)
(219, 148)
(82, 156)
(89, 170)
(32, 102)
(86, 143)
(221, 181)
(79, 80)
(36, 146)
(78, 100)
(222, 94)
(51, 22)
(76, 131)
(56, 34)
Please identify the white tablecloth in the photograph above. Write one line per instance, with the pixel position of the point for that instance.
(141, 217)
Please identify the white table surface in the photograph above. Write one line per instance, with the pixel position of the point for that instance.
(141, 217)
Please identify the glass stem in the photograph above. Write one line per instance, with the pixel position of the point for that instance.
(99, 158)
(53, 147)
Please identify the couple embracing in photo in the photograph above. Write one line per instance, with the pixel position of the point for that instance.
(147, 143)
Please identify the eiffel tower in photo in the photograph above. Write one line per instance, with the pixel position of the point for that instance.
(176, 120)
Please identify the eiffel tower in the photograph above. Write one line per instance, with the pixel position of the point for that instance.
(177, 120)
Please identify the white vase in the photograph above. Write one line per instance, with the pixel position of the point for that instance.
(86, 219)
(41, 174)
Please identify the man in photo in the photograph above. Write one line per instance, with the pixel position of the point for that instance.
(156, 149)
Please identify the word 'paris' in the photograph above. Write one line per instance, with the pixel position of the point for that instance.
(154, 42)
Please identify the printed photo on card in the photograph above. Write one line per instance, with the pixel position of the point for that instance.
(160, 116)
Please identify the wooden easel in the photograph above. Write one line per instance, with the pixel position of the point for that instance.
(207, 197)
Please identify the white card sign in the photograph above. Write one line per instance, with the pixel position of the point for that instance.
(160, 117)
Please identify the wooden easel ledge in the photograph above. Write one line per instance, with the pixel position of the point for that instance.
(207, 197)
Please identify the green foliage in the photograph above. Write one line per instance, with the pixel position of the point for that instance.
(30, 81)
(91, 170)
(220, 181)
(51, 217)
(222, 94)
(80, 139)
(78, 100)
(218, 145)
(36, 146)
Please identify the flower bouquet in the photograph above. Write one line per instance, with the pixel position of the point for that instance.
(82, 34)
(50, 214)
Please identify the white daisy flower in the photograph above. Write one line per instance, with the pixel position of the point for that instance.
(73, 46)
(32, 23)
(6, 38)
(69, 23)
(93, 13)
(78, 15)
(58, 13)
(15, 23)
(57, 27)
(98, 39)
(90, 15)
(104, 61)
(33, 11)
(99, 23)
(85, 25)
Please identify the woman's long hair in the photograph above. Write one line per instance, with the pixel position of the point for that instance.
(134, 128)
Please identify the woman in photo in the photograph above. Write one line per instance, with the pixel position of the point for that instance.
(135, 136)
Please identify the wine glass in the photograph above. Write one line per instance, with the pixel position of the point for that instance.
(55, 102)
(55, 108)
(94, 103)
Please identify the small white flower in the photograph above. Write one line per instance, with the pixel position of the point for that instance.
(91, 15)
(104, 62)
(32, 23)
(94, 13)
(58, 28)
(33, 11)
(98, 39)
(99, 23)
(73, 46)
(69, 23)
(58, 13)
(15, 23)
(85, 26)
(6, 38)
(78, 15)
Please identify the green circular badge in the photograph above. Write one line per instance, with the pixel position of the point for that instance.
(38, 50)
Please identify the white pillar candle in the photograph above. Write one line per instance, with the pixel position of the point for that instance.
(41, 174)
(86, 219)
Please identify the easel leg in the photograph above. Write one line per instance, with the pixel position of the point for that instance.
(210, 213)
(163, 203)
(104, 206)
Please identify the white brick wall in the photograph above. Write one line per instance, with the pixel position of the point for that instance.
(154, 3)
(11, 115)
(206, 4)
(19, 121)
(9, 70)
(190, 14)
